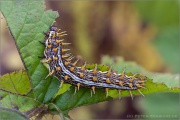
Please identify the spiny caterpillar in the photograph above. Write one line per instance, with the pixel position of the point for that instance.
(62, 66)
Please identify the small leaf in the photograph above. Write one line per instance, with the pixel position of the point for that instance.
(15, 82)
(8, 114)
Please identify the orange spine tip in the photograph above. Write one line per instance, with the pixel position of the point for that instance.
(62, 81)
(59, 41)
(66, 77)
(120, 83)
(78, 85)
(119, 91)
(49, 46)
(95, 69)
(71, 69)
(81, 75)
(55, 58)
(58, 68)
(55, 49)
(50, 73)
(94, 79)
(66, 43)
(83, 67)
(74, 64)
(93, 89)
(130, 92)
(108, 80)
(66, 63)
(107, 90)
(65, 50)
(65, 56)
(130, 85)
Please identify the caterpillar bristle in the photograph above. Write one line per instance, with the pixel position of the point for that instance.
(50, 73)
(93, 89)
(65, 55)
(132, 79)
(122, 75)
(61, 34)
(81, 75)
(70, 58)
(62, 82)
(78, 85)
(42, 57)
(66, 63)
(109, 72)
(120, 83)
(108, 81)
(66, 77)
(46, 34)
(140, 92)
(119, 92)
(95, 69)
(83, 67)
(46, 60)
(43, 43)
(65, 50)
(107, 90)
(66, 44)
(94, 79)
(59, 41)
(75, 90)
(130, 85)
(130, 92)
(71, 69)
(74, 64)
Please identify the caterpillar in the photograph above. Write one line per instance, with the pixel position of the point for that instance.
(62, 66)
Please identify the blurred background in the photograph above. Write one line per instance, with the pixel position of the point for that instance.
(146, 32)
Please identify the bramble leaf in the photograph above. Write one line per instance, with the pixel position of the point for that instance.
(27, 20)
(16, 82)
(8, 114)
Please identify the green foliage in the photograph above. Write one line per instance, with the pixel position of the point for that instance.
(27, 20)
(16, 82)
(22, 103)
(8, 114)
(167, 43)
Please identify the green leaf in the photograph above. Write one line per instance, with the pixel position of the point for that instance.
(27, 20)
(8, 114)
(167, 43)
(69, 100)
(16, 82)
(55, 110)
(21, 103)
